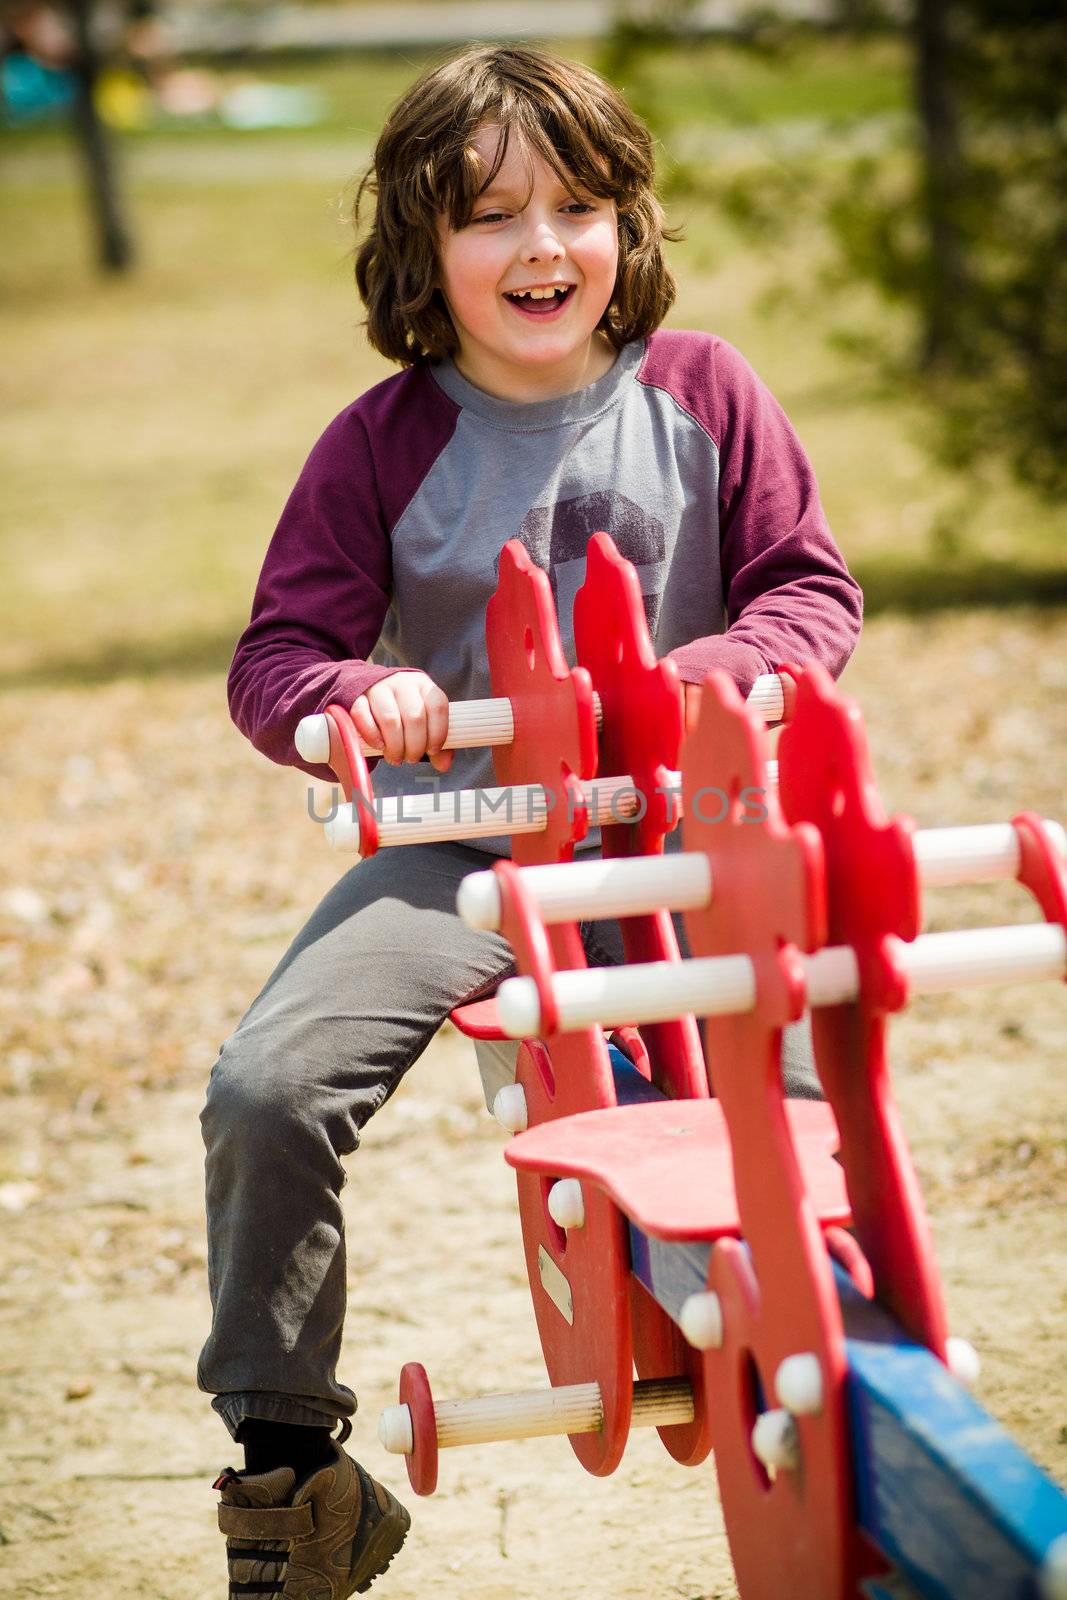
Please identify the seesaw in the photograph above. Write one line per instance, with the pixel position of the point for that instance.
(782, 1306)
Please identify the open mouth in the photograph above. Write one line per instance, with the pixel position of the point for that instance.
(529, 307)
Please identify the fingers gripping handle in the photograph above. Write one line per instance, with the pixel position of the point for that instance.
(472, 724)
(483, 724)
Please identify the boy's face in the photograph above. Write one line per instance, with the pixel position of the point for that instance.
(519, 347)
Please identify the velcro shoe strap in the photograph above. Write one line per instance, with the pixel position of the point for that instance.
(266, 1522)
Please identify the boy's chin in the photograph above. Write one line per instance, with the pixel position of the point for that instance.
(548, 349)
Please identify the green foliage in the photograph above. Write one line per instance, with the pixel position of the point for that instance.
(955, 211)
(760, 79)
(994, 318)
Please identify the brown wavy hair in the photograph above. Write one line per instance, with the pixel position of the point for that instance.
(425, 165)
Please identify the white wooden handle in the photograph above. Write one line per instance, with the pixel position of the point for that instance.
(984, 853)
(634, 886)
(480, 724)
(977, 957)
(655, 991)
(537, 1414)
(767, 697)
(426, 817)
(723, 985)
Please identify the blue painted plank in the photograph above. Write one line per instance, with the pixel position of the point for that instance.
(632, 1088)
(942, 1490)
(670, 1272)
(891, 1587)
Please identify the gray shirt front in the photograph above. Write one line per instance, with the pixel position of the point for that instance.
(386, 555)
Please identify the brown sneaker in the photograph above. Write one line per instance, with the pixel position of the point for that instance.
(329, 1539)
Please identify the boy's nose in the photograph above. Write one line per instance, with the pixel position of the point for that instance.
(542, 243)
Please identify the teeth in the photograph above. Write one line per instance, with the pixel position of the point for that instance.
(540, 294)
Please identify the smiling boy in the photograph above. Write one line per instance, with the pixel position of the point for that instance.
(501, 175)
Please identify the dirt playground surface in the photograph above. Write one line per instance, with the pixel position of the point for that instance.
(154, 868)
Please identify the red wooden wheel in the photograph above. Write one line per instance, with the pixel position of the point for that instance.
(415, 1394)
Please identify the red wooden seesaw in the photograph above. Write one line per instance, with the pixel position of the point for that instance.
(553, 714)
(809, 1501)
(717, 1391)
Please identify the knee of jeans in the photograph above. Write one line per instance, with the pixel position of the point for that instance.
(245, 1097)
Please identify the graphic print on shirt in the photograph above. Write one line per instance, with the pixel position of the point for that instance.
(558, 536)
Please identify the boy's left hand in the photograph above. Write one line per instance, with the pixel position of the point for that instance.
(692, 705)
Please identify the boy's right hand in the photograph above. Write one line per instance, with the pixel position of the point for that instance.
(406, 717)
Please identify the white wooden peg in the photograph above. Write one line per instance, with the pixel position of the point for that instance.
(1052, 1582)
(964, 1362)
(313, 740)
(798, 1384)
(700, 1320)
(395, 1430)
(566, 1204)
(510, 1108)
(776, 1441)
(478, 901)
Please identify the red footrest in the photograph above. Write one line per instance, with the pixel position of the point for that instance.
(479, 1020)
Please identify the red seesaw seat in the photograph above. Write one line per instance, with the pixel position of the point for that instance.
(668, 1166)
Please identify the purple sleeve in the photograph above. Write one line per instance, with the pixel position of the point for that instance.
(324, 589)
(789, 595)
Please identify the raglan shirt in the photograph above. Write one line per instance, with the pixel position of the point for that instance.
(386, 554)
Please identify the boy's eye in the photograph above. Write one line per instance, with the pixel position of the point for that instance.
(575, 207)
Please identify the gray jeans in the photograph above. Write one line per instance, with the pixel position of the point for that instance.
(350, 1007)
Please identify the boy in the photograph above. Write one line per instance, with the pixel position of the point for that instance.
(514, 268)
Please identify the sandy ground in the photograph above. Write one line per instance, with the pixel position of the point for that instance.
(144, 899)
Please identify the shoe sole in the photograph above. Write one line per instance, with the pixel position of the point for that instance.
(385, 1543)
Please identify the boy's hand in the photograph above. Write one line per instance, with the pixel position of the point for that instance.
(692, 705)
(406, 717)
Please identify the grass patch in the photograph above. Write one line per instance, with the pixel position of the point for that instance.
(923, 586)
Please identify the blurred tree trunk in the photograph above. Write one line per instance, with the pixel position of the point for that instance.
(114, 242)
(942, 179)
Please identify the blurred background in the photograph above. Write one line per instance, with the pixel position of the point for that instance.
(874, 200)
